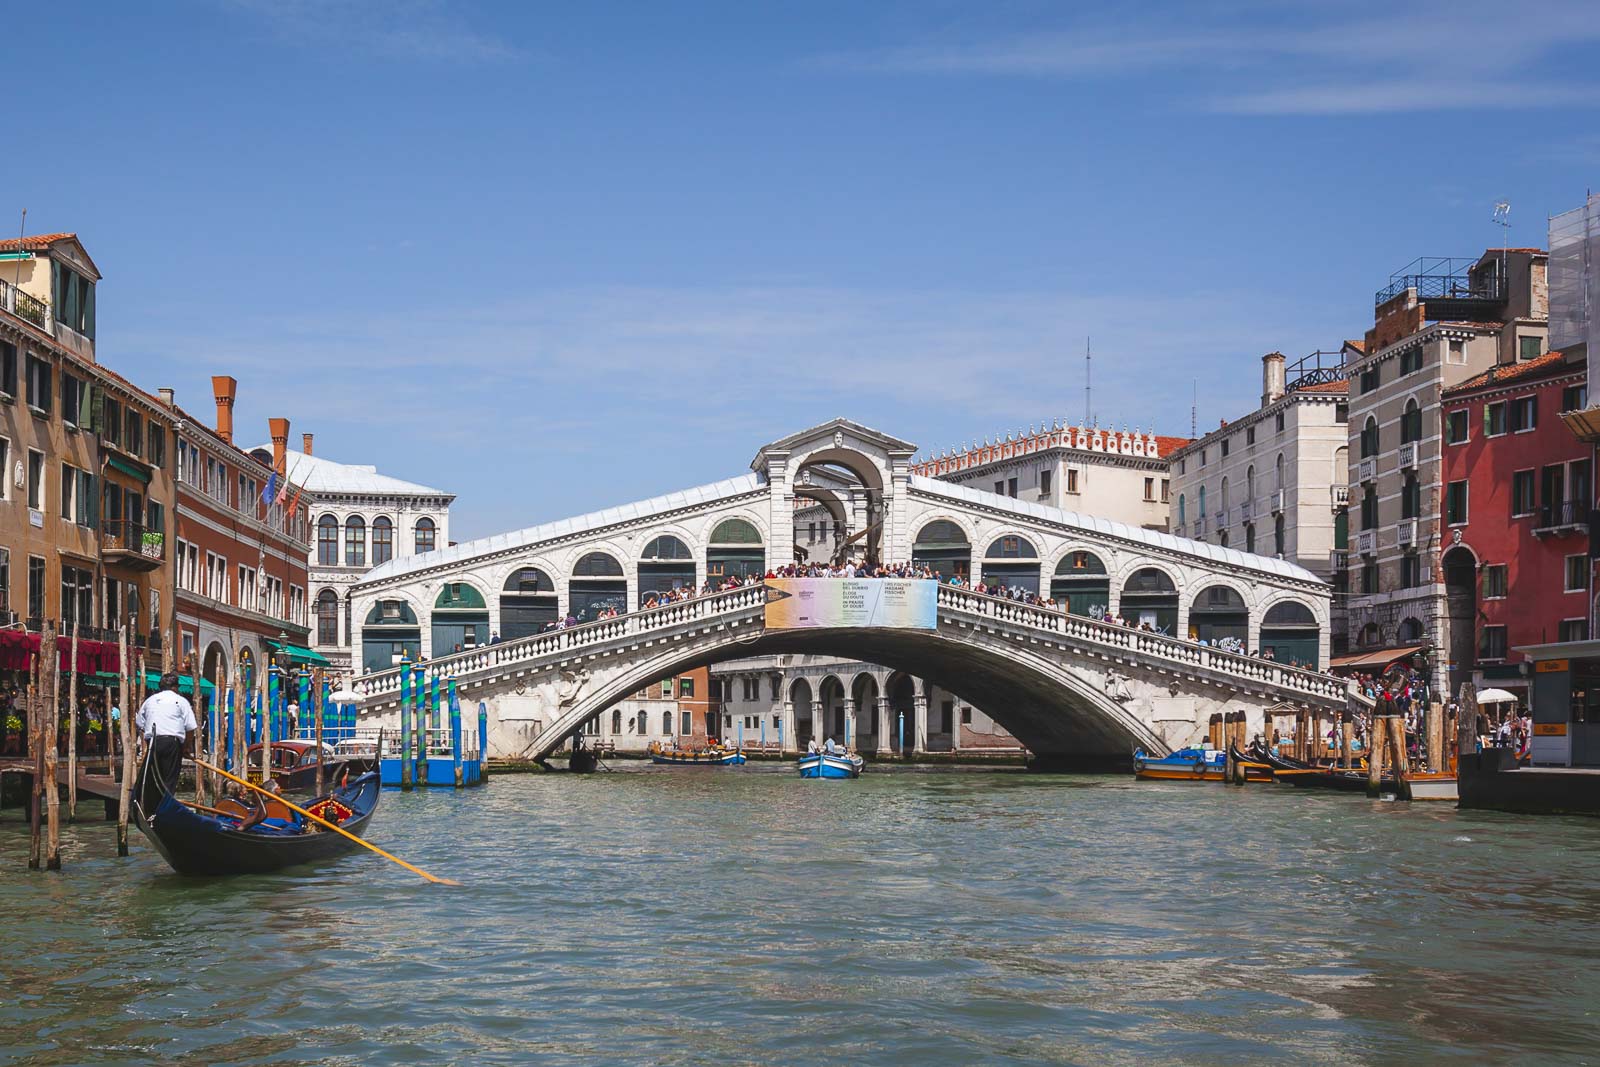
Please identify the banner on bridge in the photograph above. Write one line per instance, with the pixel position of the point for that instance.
(897, 603)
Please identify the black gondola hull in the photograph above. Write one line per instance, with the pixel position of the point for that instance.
(200, 845)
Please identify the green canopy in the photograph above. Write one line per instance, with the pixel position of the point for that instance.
(295, 654)
(152, 682)
(130, 468)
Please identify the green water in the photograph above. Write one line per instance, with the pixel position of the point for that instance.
(689, 916)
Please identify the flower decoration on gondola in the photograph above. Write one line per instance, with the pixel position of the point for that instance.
(332, 810)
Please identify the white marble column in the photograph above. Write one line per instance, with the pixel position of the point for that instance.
(919, 736)
(852, 736)
(886, 728)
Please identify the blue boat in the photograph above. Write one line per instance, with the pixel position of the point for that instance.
(1186, 765)
(827, 765)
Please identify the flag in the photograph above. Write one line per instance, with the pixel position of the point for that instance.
(283, 493)
(295, 503)
(271, 490)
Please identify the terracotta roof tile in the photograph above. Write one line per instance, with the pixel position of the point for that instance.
(37, 243)
(1166, 446)
(1549, 365)
(1326, 387)
(1359, 346)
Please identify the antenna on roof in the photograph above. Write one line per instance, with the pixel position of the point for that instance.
(16, 279)
(1088, 377)
(1502, 219)
(1194, 411)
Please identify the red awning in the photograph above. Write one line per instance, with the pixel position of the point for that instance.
(17, 649)
(1381, 658)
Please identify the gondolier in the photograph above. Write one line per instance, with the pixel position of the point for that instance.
(164, 721)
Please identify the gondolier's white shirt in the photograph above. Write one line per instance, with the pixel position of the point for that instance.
(166, 714)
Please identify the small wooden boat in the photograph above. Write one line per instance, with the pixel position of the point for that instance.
(1425, 785)
(1254, 770)
(704, 757)
(1309, 776)
(1184, 765)
(830, 765)
(220, 840)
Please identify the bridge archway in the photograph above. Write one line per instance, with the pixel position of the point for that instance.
(802, 711)
(1012, 560)
(390, 631)
(528, 603)
(864, 690)
(214, 664)
(1081, 584)
(943, 545)
(665, 564)
(1289, 630)
(735, 549)
(1218, 615)
(1050, 708)
(1151, 596)
(460, 618)
(901, 692)
(598, 584)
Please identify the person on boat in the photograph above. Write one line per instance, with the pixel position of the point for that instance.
(165, 720)
(830, 748)
(811, 746)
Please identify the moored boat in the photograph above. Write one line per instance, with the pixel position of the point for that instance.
(830, 765)
(221, 840)
(1184, 765)
(1254, 770)
(294, 764)
(1304, 775)
(705, 757)
(1428, 786)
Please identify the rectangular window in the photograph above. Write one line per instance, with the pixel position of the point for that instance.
(156, 453)
(1524, 496)
(1000, 488)
(1225, 443)
(1455, 427)
(134, 438)
(1524, 414)
(1575, 398)
(1250, 435)
(39, 380)
(1072, 480)
(966, 716)
(1044, 482)
(686, 722)
(1492, 643)
(1166, 488)
(1341, 413)
(35, 587)
(5, 580)
(1494, 581)
(1577, 571)
(35, 480)
(1455, 503)
(1494, 419)
(1574, 630)
(1410, 571)
(74, 296)
(1370, 379)
(69, 492)
(1150, 489)
(686, 687)
(8, 368)
(1202, 457)
(1011, 487)
(1530, 347)
(1411, 361)
(72, 393)
(666, 687)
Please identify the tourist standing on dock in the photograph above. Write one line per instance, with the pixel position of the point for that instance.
(165, 719)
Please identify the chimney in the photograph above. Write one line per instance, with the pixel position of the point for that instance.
(280, 442)
(1272, 384)
(305, 443)
(224, 388)
(168, 397)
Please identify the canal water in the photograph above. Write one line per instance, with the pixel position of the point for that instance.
(691, 916)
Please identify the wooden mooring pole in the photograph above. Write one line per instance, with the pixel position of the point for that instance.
(36, 753)
(50, 689)
(72, 729)
(125, 728)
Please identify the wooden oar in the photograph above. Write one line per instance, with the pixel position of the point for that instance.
(325, 823)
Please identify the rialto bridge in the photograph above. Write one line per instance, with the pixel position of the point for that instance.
(1072, 687)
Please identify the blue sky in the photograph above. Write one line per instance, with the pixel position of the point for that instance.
(555, 257)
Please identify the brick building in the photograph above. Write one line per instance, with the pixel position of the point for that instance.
(240, 564)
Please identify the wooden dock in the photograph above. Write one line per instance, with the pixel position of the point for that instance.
(100, 786)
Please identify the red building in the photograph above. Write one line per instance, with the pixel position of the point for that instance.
(1517, 492)
(240, 564)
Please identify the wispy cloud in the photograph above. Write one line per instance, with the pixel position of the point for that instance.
(429, 30)
(1282, 60)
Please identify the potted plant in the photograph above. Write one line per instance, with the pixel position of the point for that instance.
(13, 734)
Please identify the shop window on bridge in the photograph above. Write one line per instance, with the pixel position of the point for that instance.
(598, 584)
(1149, 598)
(1218, 617)
(1081, 584)
(943, 546)
(1002, 566)
(665, 564)
(460, 619)
(1289, 632)
(735, 550)
(391, 631)
(527, 603)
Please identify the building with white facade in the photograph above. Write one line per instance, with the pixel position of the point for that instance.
(364, 519)
(1272, 482)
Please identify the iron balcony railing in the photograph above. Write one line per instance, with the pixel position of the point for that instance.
(120, 535)
(1568, 515)
(25, 306)
(1443, 278)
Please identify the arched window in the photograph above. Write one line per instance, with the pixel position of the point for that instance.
(1250, 537)
(616, 721)
(425, 535)
(1369, 438)
(735, 551)
(735, 532)
(1002, 564)
(328, 541)
(382, 540)
(666, 723)
(1250, 482)
(1225, 500)
(666, 564)
(1411, 423)
(527, 603)
(1278, 474)
(355, 542)
(665, 547)
(1289, 631)
(1202, 514)
(597, 565)
(1410, 631)
(327, 617)
(943, 545)
(644, 723)
(1080, 584)
(597, 585)
(1011, 548)
(1277, 535)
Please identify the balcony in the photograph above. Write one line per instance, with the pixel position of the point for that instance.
(131, 545)
(1278, 498)
(24, 306)
(1408, 456)
(1339, 559)
(1452, 288)
(1562, 518)
(1405, 533)
(1367, 470)
(1367, 542)
(1247, 511)
(1341, 495)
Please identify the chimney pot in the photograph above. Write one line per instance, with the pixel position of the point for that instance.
(305, 443)
(224, 388)
(279, 429)
(167, 396)
(1273, 384)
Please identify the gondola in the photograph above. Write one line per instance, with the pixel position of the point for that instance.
(1304, 775)
(1255, 770)
(203, 843)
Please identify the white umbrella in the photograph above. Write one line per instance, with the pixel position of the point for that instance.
(1496, 696)
(345, 696)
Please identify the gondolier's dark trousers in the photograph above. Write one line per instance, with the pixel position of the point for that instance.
(166, 757)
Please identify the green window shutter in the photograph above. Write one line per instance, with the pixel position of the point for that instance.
(88, 309)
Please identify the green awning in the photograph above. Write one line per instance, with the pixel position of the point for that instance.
(152, 682)
(130, 468)
(295, 654)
